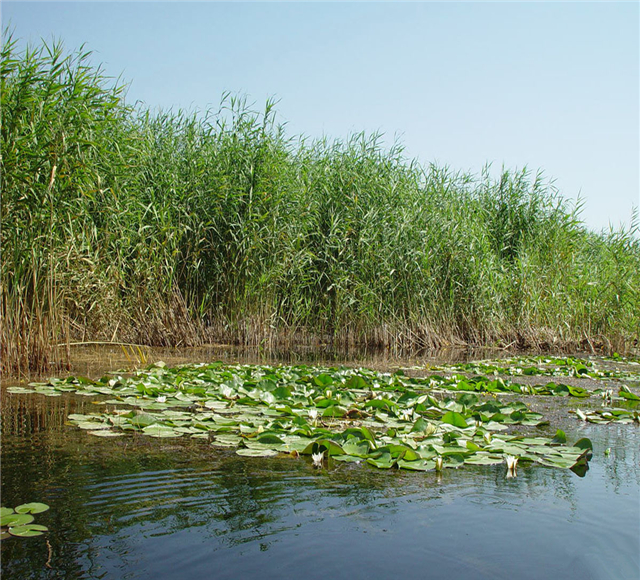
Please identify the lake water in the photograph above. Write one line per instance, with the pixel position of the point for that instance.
(136, 508)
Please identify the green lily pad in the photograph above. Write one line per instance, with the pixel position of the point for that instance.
(626, 393)
(560, 437)
(226, 440)
(256, 452)
(347, 458)
(12, 520)
(143, 420)
(483, 459)
(455, 419)
(19, 390)
(584, 443)
(384, 461)
(454, 460)
(92, 426)
(105, 433)
(331, 447)
(419, 465)
(28, 531)
(32, 508)
(160, 431)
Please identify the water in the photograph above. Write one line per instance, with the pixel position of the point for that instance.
(137, 508)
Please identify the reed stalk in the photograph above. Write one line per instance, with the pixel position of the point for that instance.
(120, 224)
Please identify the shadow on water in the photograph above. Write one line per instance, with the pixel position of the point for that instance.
(135, 507)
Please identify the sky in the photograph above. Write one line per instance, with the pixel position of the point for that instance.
(547, 85)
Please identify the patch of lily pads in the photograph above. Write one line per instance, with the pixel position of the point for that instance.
(387, 420)
(544, 366)
(18, 521)
(608, 414)
(482, 384)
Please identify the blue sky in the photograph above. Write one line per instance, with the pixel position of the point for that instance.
(543, 84)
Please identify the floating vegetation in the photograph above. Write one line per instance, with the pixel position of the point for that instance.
(483, 384)
(608, 415)
(19, 521)
(542, 366)
(387, 420)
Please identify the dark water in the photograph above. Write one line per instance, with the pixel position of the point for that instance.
(139, 508)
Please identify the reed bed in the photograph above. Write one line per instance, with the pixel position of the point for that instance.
(175, 228)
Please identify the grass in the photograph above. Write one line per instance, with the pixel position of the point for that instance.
(174, 228)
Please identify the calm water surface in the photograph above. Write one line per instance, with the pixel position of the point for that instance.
(138, 508)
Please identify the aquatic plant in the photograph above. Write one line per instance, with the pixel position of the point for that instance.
(18, 522)
(388, 420)
(317, 459)
(174, 228)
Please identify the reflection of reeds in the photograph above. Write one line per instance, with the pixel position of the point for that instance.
(170, 229)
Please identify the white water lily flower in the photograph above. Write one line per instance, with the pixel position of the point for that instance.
(162, 399)
(512, 463)
(313, 414)
(438, 461)
(317, 459)
(487, 437)
(431, 429)
(607, 396)
(406, 415)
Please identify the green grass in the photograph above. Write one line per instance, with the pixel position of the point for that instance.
(175, 228)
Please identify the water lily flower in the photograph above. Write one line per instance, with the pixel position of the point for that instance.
(607, 396)
(162, 399)
(313, 414)
(512, 463)
(487, 437)
(406, 415)
(438, 461)
(317, 459)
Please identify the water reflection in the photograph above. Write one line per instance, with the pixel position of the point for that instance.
(134, 507)
(96, 360)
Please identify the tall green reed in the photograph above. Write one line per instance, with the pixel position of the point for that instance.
(175, 228)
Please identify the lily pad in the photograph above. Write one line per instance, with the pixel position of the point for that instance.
(28, 531)
(160, 431)
(32, 508)
(105, 433)
(12, 520)
(19, 390)
(455, 419)
(393, 420)
(256, 452)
